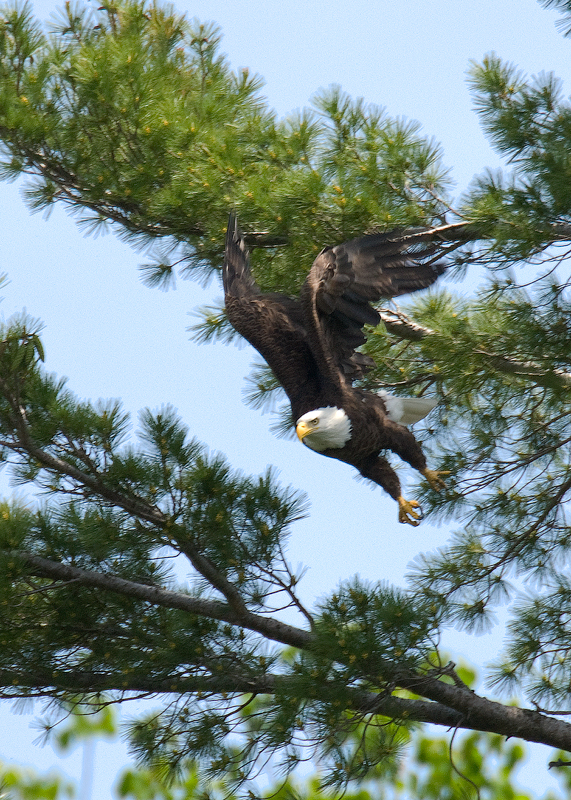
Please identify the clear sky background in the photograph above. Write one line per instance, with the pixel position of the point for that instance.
(113, 337)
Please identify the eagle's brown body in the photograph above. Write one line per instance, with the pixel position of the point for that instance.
(310, 344)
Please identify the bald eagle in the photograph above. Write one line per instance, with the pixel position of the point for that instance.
(310, 345)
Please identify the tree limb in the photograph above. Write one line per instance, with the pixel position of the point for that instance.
(131, 503)
(75, 680)
(450, 705)
(401, 325)
(269, 627)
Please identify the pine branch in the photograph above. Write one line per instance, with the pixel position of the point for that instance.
(401, 325)
(73, 193)
(130, 503)
(461, 232)
(451, 705)
(80, 681)
(70, 680)
(553, 379)
(486, 715)
(268, 627)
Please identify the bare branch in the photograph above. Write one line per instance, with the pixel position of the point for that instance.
(402, 326)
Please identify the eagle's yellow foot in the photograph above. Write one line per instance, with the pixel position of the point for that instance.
(434, 479)
(407, 513)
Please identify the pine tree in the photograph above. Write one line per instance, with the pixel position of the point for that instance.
(132, 118)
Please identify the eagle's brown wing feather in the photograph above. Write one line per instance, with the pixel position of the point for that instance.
(345, 279)
(272, 323)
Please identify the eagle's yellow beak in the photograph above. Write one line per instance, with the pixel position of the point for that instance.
(302, 429)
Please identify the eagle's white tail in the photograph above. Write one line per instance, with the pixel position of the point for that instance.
(407, 410)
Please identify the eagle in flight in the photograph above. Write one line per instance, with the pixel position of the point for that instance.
(311, 345)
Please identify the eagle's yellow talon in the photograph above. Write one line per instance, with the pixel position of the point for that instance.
(434, 479)
(407, 513)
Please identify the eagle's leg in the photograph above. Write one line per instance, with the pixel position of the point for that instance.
(434, 479)
(378, 470)
(401, 441)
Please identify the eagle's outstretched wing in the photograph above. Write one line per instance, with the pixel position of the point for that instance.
(272, 323)
(345, 279)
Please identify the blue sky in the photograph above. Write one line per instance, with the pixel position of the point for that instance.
(113, 337)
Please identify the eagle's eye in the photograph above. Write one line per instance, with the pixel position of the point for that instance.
(315, 421)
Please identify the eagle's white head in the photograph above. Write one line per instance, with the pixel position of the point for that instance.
(324, 428)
